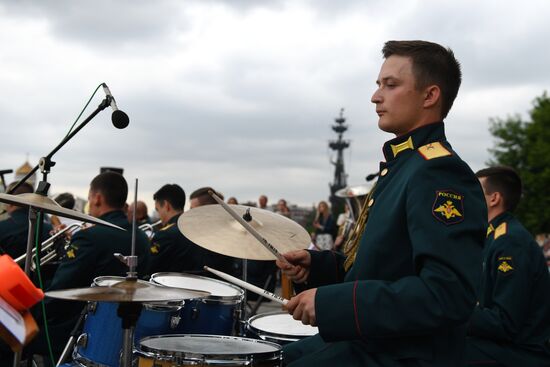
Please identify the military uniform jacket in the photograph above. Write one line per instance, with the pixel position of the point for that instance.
(170, 250)
(14, 232)
(90, 255)
(512, 320)
(412, 286)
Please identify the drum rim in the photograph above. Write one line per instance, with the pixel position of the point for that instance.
(115, 277)
(272, 335)
(225, 299)
(180, 356)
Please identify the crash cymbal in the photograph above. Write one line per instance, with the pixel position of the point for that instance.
(48, 205)
(353, 191)
(128, 291)
(213, 228)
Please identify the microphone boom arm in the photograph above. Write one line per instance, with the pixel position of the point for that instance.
(45, 162)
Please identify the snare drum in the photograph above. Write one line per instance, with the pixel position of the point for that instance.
(278, 327)
(101, 338)
(216, 314)
(207, 350)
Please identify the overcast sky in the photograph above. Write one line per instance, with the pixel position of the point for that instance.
(240, 95)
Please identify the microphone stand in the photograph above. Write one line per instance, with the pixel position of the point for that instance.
(35, 226)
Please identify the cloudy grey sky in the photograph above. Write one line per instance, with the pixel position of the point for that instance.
(240, 95)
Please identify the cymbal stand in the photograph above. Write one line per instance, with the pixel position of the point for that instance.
(45, 164)
(129, 311)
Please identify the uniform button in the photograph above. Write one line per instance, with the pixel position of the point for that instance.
(371, 202)
(384, 172)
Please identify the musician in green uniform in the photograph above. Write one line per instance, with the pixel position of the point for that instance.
(403, 292)
(14, 229)
(170, 250)
(511, 323)
(90, 255)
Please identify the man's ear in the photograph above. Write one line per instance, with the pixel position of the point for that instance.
(432, 95)
(495, 199)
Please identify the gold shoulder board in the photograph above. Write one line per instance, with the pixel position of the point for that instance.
(433, 150)
(501, 230)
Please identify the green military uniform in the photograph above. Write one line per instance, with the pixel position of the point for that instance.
(14, 231)
(170, 250)
(90, 255)
(407, 297)
(511, 323)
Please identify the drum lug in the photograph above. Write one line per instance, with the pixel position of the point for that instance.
(92, 307)
(174, 322)
(82, 340)
(195, 312)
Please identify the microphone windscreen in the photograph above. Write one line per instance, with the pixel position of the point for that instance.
(120, 119)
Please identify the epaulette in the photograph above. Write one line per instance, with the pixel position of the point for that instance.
(433, 150)
(501, 230)
(167, 226)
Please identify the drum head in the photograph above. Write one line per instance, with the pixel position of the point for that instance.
(190, 347)
(280, 324)
(218, 290)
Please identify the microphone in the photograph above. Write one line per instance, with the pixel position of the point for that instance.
(120, 119)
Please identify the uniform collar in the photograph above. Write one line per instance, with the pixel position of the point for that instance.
(115, 214)
(174, 219)
(499, 219)
(412, 140)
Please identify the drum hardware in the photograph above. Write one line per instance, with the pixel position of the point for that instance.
(174, 322)
(91, 307)
(195, 313)
(82, 340)
(278, 327)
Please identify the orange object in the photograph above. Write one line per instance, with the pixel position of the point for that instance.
(15, 286)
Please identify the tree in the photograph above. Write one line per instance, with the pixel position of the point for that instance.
(525, 146)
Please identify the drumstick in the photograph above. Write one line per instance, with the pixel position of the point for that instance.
(250, 229)
(250, 287)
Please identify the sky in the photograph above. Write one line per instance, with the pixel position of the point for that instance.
(241, 95)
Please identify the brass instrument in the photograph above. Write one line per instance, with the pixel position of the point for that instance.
(49, 255)
(149, 228)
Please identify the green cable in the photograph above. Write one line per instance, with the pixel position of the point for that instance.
(37, 261)
(84, 109)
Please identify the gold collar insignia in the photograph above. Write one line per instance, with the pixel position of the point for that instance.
(398, 148)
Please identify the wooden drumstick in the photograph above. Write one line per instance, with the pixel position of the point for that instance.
(259, 291)
(249, 228)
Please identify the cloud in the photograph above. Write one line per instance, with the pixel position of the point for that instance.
(241, 95)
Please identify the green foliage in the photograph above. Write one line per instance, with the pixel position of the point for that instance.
(525, 146)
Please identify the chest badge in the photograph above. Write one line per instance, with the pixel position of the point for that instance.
(448, 207)
(505, 265)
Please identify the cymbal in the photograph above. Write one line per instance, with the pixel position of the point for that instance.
(128, 291)
(353, 191)
(50, 206)
(213, 228)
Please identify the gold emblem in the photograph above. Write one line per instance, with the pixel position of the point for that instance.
(448, 210)
(398, 148)
(71, 254)
(433, 150)
(505, 267)
(155, 248)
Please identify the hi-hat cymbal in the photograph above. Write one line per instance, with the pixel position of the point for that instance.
(50, 206)
(213, 228)
(128, 291)
(353, 191)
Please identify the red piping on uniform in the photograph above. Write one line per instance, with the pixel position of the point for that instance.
(355, 310)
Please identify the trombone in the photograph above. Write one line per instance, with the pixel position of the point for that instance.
(47, 245)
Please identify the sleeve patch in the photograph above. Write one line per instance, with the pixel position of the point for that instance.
(505, 265)
(448, 207)
(501, 230)
(433, 150)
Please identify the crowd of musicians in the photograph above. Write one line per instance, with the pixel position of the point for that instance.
(435, 272)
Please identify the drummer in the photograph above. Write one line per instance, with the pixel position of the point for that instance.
(405, 289)
(170, 250)
(90, 254)
(14, 229)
